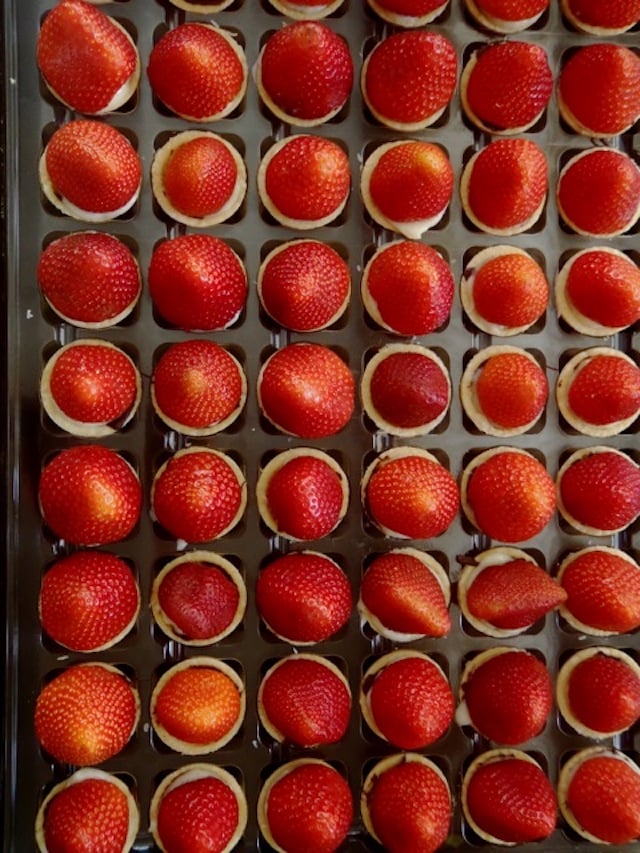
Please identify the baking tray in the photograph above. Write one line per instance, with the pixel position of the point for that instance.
(32, 330)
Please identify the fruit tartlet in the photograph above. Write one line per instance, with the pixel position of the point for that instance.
(408, 13)
(506, 16)
(405, 595)
(301, 10)
(601, 19)
(203, 7)
(198, 801)
(406, 699)
(503, 592)
(198, 598)
(198, 705)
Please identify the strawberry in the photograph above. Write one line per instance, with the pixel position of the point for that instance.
(198, 598)
(507, 16)
(90, 495)
(409, 78)
(304, 700)
(598, 291)
(504, 390)
(305, 805)
(610, 74)
(505, 589)
(597, 18)
(86, 714)
(408, 493)
(599, 490)
(506, 86)
(598, 691)
(304, 285)
(198, 282)
(603, 590)
(407, 186)
(303, 597)
(90, 171)
(302, 494)
(198, 178)
(406, 389)
(504, 186)
(406, 804)
(307, 390)
(508, 799)
(598, 192)
(407, 700)
(600, 795)
(404, 594)
(88, 601)
(198, 494)
(304, 181)
(198, 705)
(90, 387)
(508, 494)
(408, 13)
(506, 695)
(304, 73)
(87, 59)
(199, 807)
(504, 290)
(198, 71)
(198, 387)
(90, 279)
(408, 288)
(90, 809)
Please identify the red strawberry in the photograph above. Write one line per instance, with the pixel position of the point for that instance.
(407, 185)
(303, 597)
(90, 279)
(198, 387)
(198, 494)
(408, 13)
(603, 590)
(90, 495)
(86, 714)
(88, 600)
(304, 181)
(306, 9)
(407, 700)
(600, 795)
(409, 78)
(407, 493)
(199, 807)
(302, 494)
(406, 804)
(506, 695)
(86, 58)
(198, 71)
(508, 799)
(197, 282)
(198, 178)
(89, 810)
(304, 73)
(198, 705)
(508, 494)
(306, 390)
(507, 590)
(599, 89)
(305, 805)
(597, 18)
(90, 387)
(504, 186)
(405, 594)
(507, 16)
(305, 700)
(598, 691)
(506, 86)
(198, 598)
(90, 171)
(598, 192)
(406, 389)
(408, 288)
(599, 490)
(598, 291)
(504, 290)
(304, 285)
